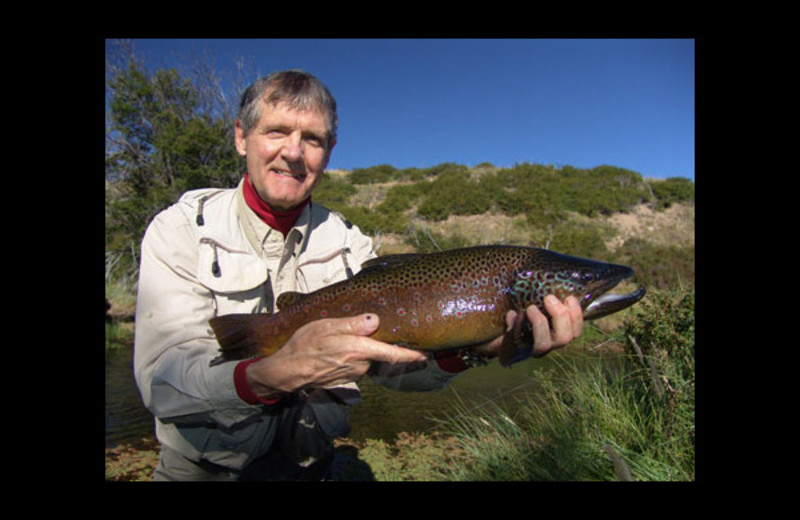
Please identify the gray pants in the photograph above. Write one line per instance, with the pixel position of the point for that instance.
(172, 466)
(308, 423)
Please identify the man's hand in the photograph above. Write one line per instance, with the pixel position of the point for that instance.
(567, 324)
(325, 353)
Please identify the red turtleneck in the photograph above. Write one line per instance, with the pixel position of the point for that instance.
(280, 220)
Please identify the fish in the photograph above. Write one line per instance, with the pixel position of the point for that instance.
(450, 299)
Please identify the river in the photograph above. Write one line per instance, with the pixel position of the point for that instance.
(381, 415)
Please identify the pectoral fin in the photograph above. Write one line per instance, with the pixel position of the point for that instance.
(517, 342)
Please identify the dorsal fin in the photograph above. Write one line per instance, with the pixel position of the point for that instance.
(289, 298)
(390, 260)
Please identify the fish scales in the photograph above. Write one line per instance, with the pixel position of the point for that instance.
(431, 301)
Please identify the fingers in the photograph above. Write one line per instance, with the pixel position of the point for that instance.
(350, 336)
(377, 351)
(330, 352)
(567, 318)
(361, 325)
(566, 324)
(542, 340)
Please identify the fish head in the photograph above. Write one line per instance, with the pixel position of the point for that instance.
(589, 281)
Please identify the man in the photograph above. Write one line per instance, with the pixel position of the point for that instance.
(218, 252)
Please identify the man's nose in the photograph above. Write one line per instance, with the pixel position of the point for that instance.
(292, 148)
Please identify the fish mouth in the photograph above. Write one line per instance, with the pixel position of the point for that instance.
(609, 303)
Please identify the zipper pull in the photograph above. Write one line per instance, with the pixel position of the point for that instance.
(347, 269)
(199, 219)
(215, 270)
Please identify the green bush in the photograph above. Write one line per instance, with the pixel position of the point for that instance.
(672, 190)
(661, 336)
(333, 193)
(577, 239)
(596, 417)
(373, 174)
(402, 197)
(454, 193)
(374, 222)
(658, 266)
(544, 193)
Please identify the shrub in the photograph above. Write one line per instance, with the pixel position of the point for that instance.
(402, 197)
(658, 266)
(373, 174)
(454, 193)
(592, 417)
(671, 190)
(333, 193)
(577, 239)
(374, 222)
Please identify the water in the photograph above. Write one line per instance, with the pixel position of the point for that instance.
(384, 412)
(126, 418)
(381, 415)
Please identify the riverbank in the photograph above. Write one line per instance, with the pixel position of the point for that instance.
(411, 457)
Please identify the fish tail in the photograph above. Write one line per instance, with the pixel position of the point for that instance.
(237, 334)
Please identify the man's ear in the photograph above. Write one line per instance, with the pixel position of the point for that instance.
(239, 138)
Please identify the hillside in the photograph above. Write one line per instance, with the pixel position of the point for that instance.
(606, 213)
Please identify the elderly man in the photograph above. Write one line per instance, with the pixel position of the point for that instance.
(218, 252)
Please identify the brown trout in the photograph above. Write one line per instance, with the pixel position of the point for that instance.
(432, 301)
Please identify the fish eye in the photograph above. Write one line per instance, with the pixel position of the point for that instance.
(587, 277)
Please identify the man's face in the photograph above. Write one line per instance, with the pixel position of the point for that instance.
(286, 152)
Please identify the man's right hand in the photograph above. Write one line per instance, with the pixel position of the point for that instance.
(325, 353)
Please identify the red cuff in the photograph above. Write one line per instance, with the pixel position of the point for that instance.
(243, 389)
(450, 361)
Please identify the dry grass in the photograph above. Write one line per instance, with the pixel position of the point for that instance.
(672, 226)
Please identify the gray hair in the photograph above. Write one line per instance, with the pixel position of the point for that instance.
(297, 89)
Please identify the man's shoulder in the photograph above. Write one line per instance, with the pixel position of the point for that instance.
(194, 207)
(324, 215)
(204, 196)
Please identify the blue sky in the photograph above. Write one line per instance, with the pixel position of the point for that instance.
(409, 102)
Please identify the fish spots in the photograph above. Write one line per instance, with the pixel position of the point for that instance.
(459, 286)
(424, 292)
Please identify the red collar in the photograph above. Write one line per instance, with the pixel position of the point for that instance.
(283, 221)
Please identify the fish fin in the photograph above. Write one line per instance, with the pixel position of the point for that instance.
(289, 298)
(389, 260)
(237, 334)
(517, 343)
